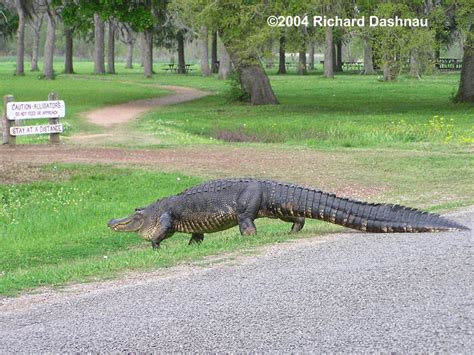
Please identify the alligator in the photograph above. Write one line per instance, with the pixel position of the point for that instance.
(221, 204)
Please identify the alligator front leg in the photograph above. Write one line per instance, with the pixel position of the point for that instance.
(248, 205)
(196, 238)
(247, 227)
(163, 230)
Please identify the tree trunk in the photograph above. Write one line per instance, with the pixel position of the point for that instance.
(20, 44)
(129, 57)
(339, 55)
(204, 40)
(269, 63)
(466, 84)
(282, 56)
(387, 73)
(225, 67)
(328, 54)
(311, 56)
(181, 60)
(302, 60)
(49, 47)
(36, 26)
(214, 64)
(368, 57)
(68, 57)
(99, 51)
(111, 48)
(142, 48)
(255, 83)
(147, 53)
(414, 67)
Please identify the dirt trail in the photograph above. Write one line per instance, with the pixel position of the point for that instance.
(116, 119)
(123, 113)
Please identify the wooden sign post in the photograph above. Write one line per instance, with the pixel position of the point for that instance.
(52, 109)
(53, 137)
(7, 137)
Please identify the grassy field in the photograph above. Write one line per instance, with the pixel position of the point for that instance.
(404, 138)
(350, 111)
(54, 232)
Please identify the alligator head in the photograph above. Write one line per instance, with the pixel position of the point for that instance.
(141, 222)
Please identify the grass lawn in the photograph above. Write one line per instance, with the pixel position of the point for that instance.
(349, 111)
(405, 138)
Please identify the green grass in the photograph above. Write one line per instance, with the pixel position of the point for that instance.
(349, 111)
(55, 232)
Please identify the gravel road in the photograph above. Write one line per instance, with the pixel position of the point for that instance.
(351, 292)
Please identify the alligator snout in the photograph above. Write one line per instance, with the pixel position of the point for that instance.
(112, 223)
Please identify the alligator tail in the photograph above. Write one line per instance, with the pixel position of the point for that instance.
(292, 200)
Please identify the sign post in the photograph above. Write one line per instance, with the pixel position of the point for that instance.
(52, 109)
(7, 137)
(53, 137)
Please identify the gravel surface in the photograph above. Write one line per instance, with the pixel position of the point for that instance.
(351, 292)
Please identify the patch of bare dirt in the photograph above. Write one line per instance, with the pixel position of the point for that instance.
(13, 172)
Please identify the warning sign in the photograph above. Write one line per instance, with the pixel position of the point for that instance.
(40, 129)
(35, 109)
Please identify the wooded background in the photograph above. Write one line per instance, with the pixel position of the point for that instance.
(228, 37)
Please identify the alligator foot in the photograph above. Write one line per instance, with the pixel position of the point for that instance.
(297, 225)
(247, 227)
(196, 238)
(155, 245)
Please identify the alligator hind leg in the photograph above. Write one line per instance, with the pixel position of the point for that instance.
(196, 238)
(298, 223)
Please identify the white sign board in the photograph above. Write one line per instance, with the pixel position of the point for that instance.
(35, 109)
(40, 129)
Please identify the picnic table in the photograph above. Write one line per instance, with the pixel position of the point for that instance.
(449, 64)
(295, 65)
(353, 66)
(171, 67)
(350, 66)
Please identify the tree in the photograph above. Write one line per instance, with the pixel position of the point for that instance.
(49, 45)
(242, 27)
(111, 46)
(302, 59)
(24, 11)
(77, 18)
(368, 56)
(329, 53)
(204, 40)
(181, 59)
(127, 36)
(214, 61)
(282, 56)
(465, 23)
(99, 44)
(69, 50)
(36, 25)
(311, 56)
(225, 65)
(466, 84)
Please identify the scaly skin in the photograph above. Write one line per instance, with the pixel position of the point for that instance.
(221, 204)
